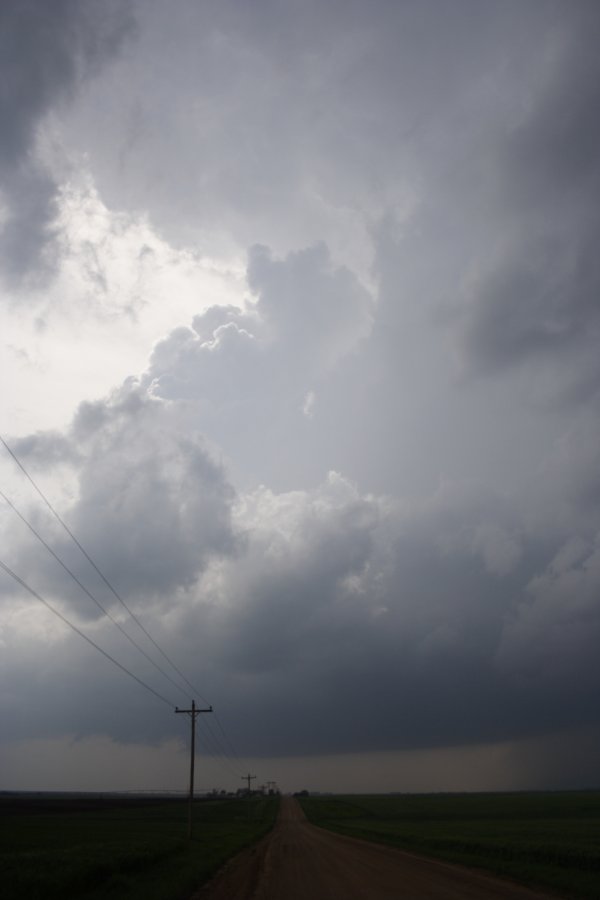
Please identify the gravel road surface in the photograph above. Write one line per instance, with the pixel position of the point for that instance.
(299, 861)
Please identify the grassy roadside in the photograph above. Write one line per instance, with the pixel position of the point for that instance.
(124, 850)
(549, 840)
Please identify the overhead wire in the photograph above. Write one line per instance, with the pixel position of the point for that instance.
(92, 563)
(215, 738)
(223, 761)
(81, 633)
(216, 753)
(106, 612)
(231, 747)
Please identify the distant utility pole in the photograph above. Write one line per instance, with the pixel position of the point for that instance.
(193, 712)
(248, 778)
(270, 785)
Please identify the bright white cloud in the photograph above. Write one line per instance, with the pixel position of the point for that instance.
(117, 289)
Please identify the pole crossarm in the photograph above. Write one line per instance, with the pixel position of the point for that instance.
(248, 778)
(193, 712)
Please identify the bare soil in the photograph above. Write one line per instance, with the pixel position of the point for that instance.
(299, 861)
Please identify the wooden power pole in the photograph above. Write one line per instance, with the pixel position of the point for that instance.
(248, 778)
(193, 712)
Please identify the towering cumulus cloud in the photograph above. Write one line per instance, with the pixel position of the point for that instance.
(315, 382)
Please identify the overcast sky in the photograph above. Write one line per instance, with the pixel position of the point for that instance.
(299, 329)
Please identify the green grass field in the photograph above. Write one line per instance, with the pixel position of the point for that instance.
(551, 840)
(121, 849)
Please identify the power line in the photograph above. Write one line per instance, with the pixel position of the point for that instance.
(218, 754)
(86, 591)
(61, 521)
(231, 747)
(81, 633)
(216, 748)
(222, 755)
(215, 751)
(93, 564)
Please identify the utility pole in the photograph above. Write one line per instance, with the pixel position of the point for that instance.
(193, 712)
(270, 786)
(248, 778)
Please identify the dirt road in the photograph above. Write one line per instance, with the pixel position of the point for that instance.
(298, 861)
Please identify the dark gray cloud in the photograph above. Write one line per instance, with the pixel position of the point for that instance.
(342, 624)
(150, 501)
(146, 485)
(536, 298)
(328, 619)
(45, 449)
(27, 237)
(46, 50)
(377, 629)
(297, 126)
(439, 587)
(552, 152)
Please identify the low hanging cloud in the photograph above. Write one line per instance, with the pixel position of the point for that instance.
(313, 612)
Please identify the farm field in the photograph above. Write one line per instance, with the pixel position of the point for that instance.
(124, 849)
(548, 840)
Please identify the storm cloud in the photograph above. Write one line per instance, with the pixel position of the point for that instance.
(350, 482)
(46, 52)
